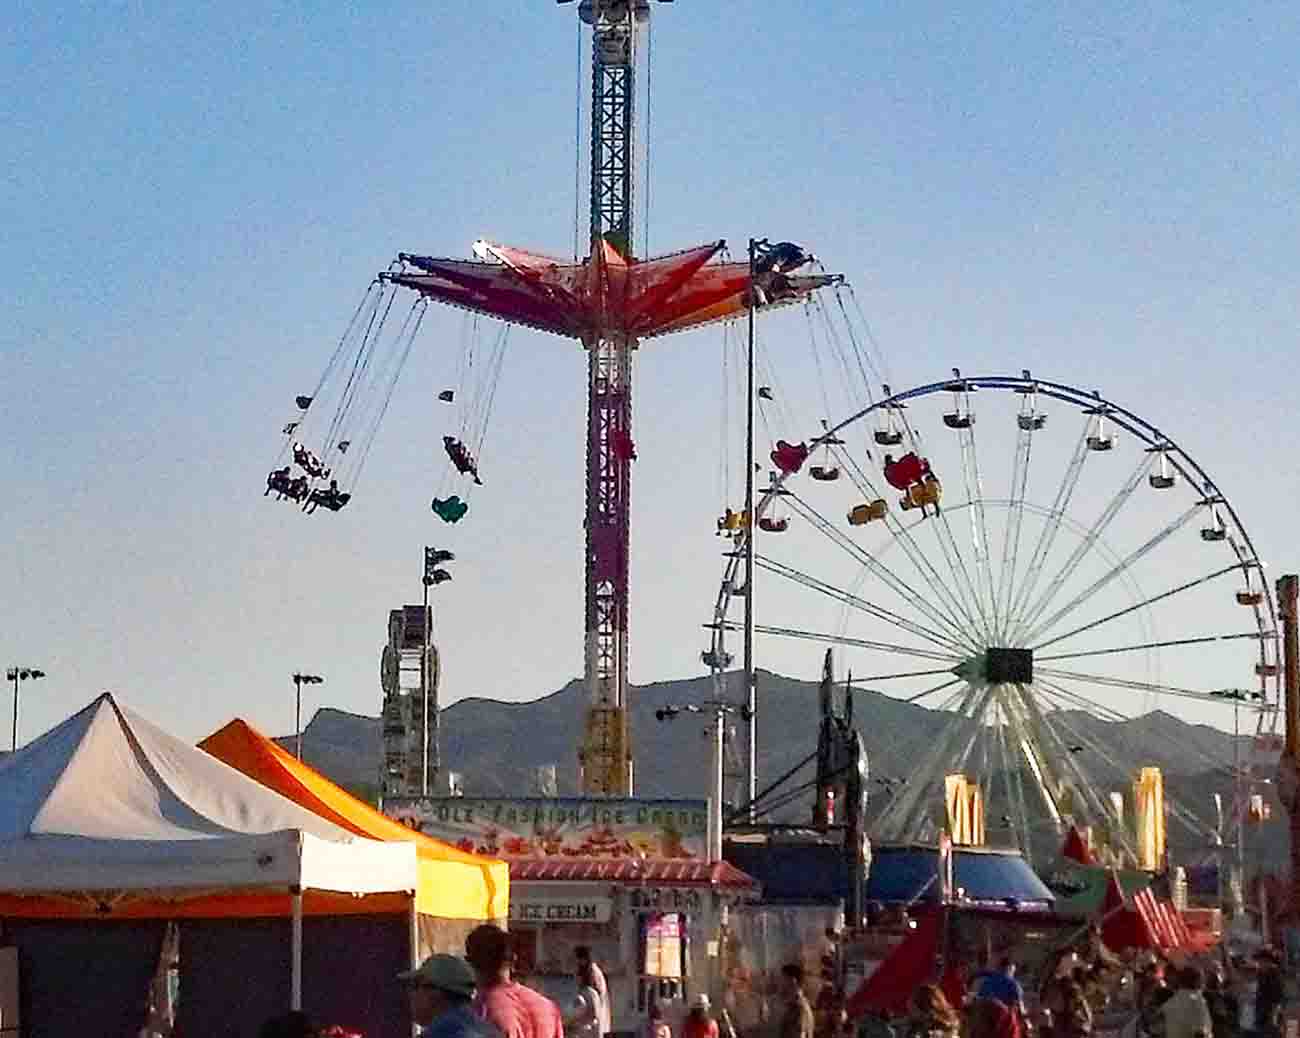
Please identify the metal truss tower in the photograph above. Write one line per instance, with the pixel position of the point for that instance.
(408, 673)
(605, 756)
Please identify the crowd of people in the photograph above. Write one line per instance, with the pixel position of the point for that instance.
(1082, 989)
(1086, 989)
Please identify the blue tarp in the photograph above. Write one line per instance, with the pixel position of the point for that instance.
(818, 872)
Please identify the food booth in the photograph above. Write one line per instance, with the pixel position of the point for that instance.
(628, 878)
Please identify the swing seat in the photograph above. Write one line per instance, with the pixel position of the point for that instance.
(1161, 481)
(1031, 422)
(730, 522)
(1100, 443)
(903, 472)
(1213, 533)
(868, 511)
(1249, 598)
(921, 494)
(888, 437)
(824, 474)
(789, 457)
(769, 525)
(955, 420)
(450, 510)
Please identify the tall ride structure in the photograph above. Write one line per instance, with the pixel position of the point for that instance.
(605, 756)
(408, 674)
(610, 302)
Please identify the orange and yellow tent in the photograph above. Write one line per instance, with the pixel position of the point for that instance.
(453, 884)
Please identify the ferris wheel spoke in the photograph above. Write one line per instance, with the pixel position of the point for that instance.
(931, 691)
(1015, 783)
(856, 602)
(1118, 614)
(1127, 683)
(1084, 787)
(836, 639)
(1036, 760)
(906, 674)
(1144, 646)
(1047, 535)
(894, 820)
(1078, 700)
(1081, 550)
(970, 473)
(1011, 531)
(865, 558)
(966, 731)
(965, 585)
(953, 607)
(1117, 570)
(1188, 817)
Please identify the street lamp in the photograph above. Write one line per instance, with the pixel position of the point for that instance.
(298, 681)
(18, 675)
(1238, 696)
(434, 574)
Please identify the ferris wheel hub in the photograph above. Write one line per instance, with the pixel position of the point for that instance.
(998, 666)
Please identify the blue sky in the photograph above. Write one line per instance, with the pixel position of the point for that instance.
(196, 198)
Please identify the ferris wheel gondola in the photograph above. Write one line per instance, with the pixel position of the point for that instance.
(1028, 616)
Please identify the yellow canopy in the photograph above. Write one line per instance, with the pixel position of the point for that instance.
(454, 884)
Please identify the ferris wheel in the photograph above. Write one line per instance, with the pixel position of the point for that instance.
(1031, 560)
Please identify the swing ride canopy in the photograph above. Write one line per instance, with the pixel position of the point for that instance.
(604, 295)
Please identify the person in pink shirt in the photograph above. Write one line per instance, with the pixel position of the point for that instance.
(517, 1010)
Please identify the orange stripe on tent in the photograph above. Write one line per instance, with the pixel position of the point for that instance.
(454, 884)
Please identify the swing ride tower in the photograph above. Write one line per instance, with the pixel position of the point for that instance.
(605, 755)
(611, 302)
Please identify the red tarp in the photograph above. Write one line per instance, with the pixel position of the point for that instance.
(1126, 926)
(603, 295)
(890, 988)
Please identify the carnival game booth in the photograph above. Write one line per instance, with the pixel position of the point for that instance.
(630, 879)
(118, 840)
(457, 889)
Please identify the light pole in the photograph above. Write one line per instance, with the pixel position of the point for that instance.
(298, 681)
(18, 675)
(719, 710)
(751, 683)
(1239, 805)
(434, 574)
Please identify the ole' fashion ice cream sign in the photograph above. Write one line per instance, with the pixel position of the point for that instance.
(564, 827)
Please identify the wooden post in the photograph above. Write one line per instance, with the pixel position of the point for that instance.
(1288, 590)
(295, 938)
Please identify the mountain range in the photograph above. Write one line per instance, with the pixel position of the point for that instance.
(497, 747)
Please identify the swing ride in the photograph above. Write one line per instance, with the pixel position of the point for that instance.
(610, 301)
(1030, 616)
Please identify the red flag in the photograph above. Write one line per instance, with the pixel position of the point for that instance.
(1076, 848)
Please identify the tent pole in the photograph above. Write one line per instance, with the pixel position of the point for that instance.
(415, 934)
(295, 981)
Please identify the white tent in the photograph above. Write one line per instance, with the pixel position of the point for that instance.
(107, 807)
(107, 801)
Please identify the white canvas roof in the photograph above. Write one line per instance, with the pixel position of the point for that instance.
(106, 801)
